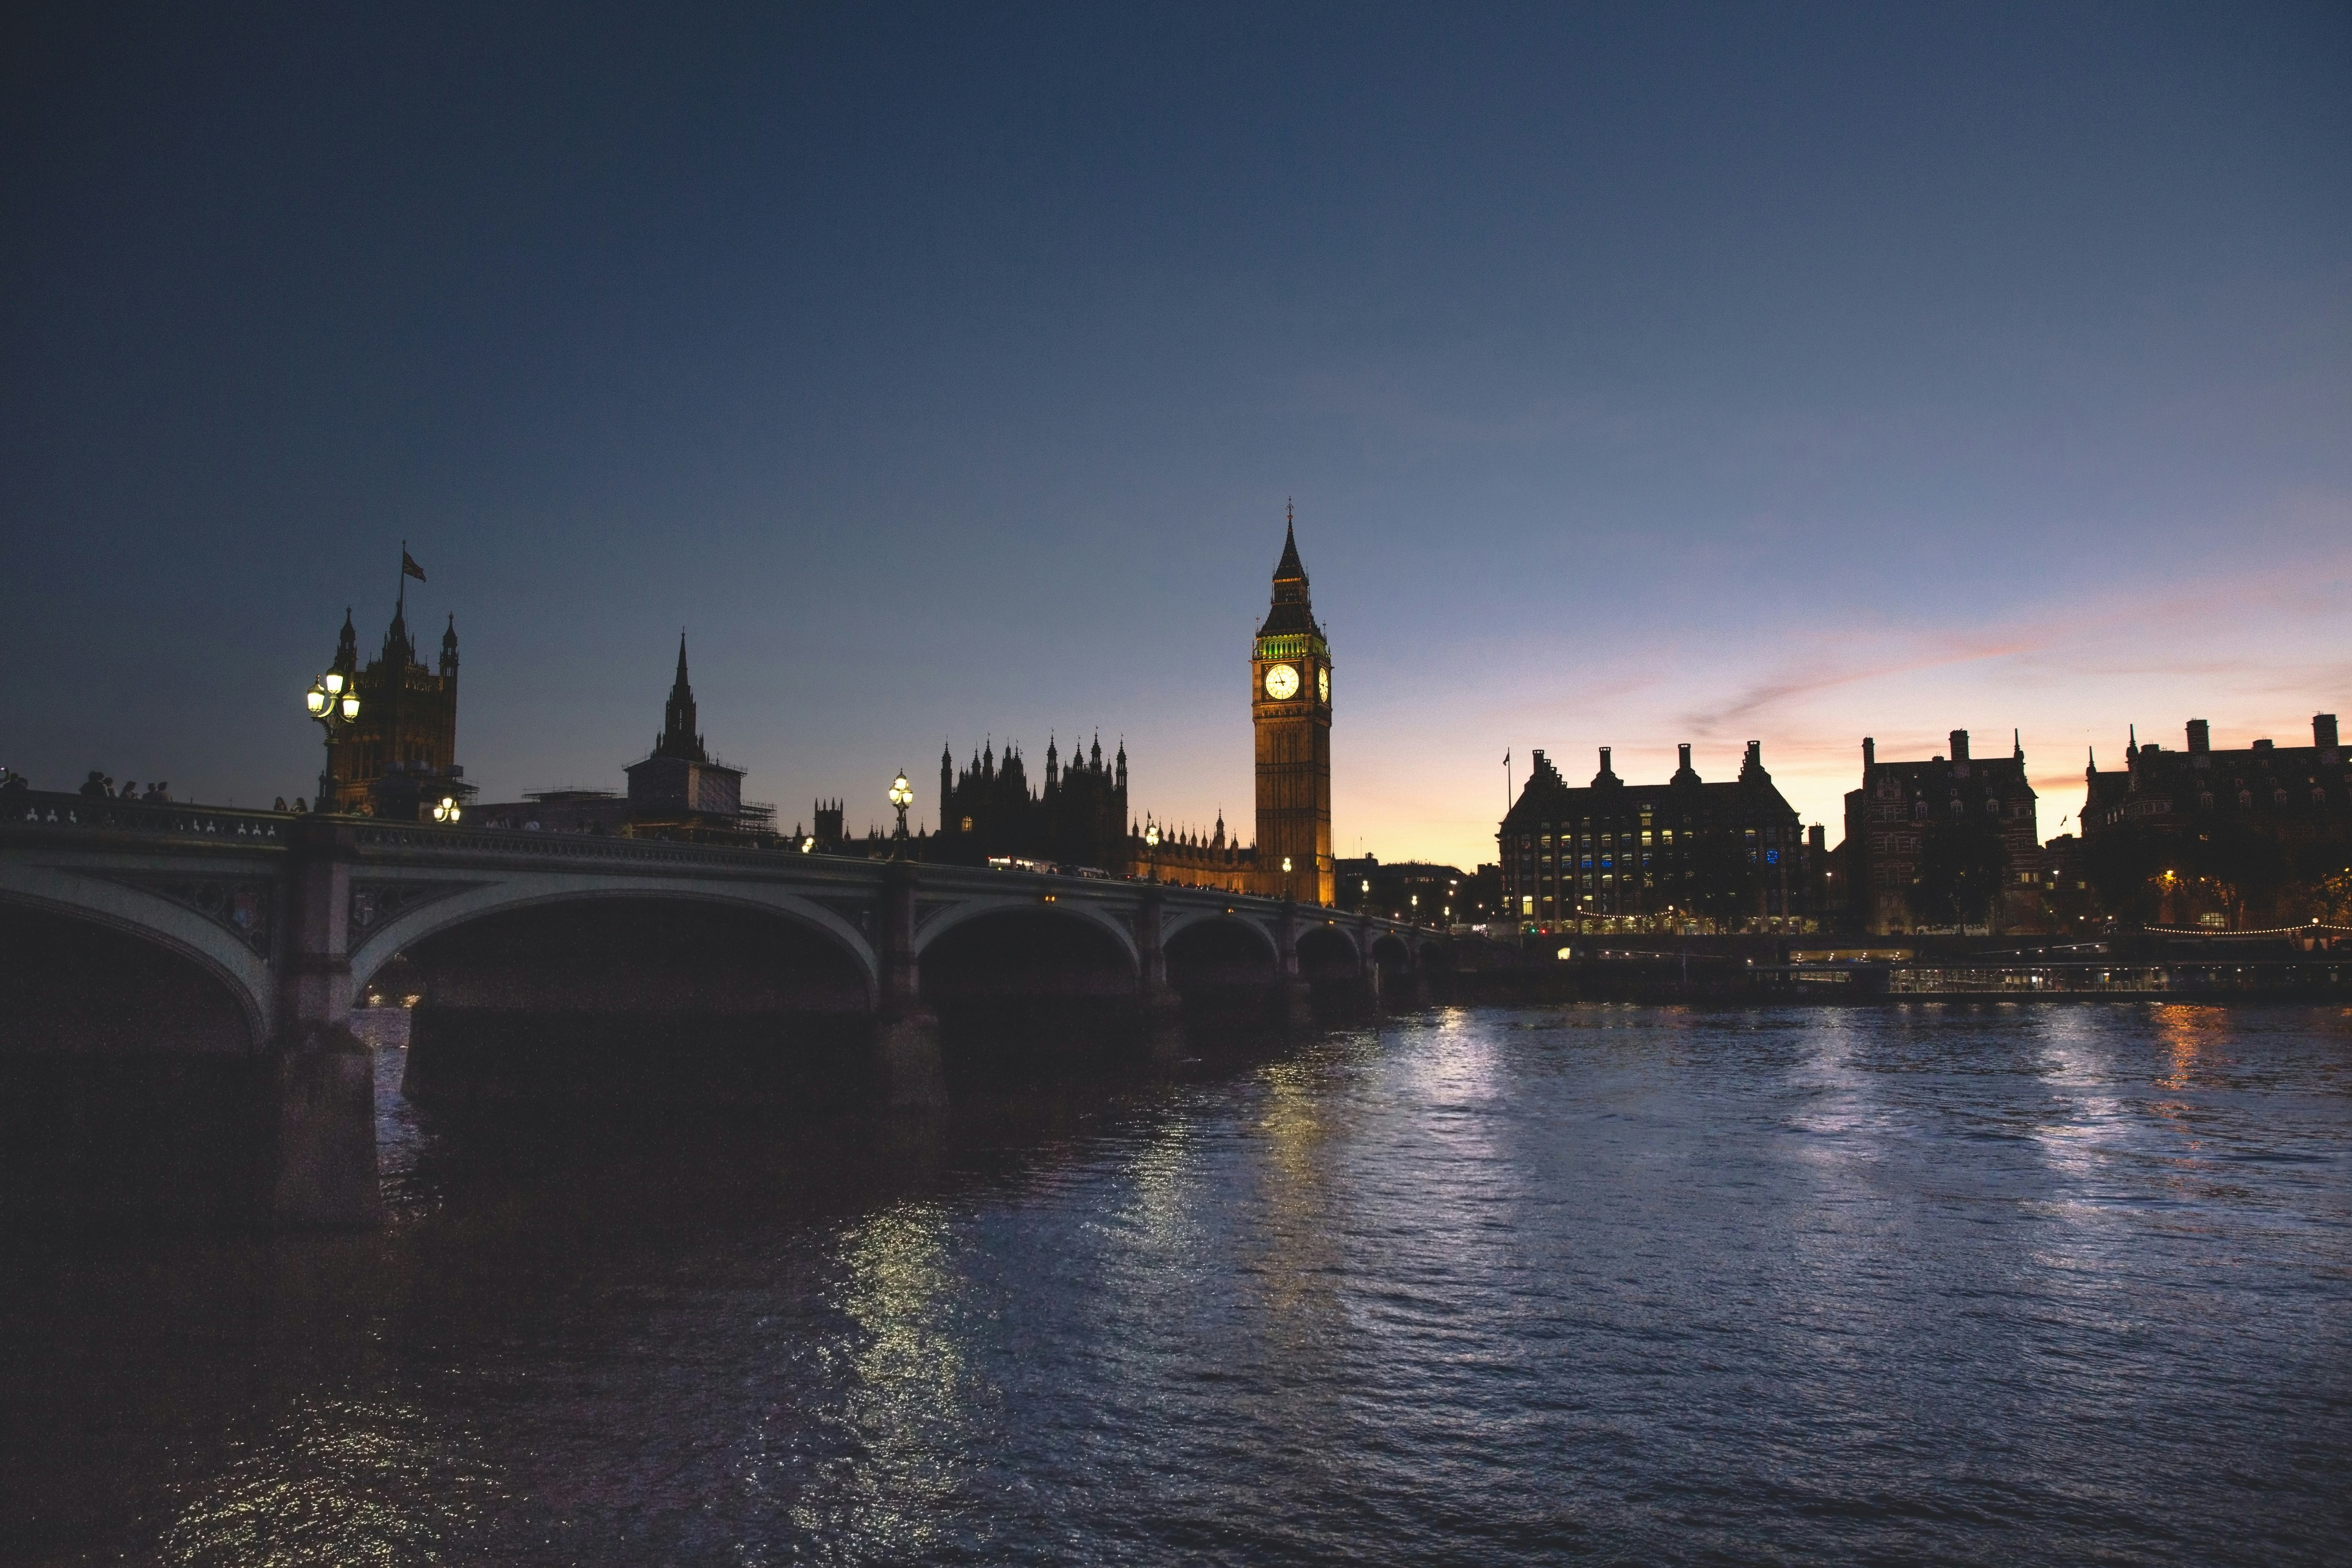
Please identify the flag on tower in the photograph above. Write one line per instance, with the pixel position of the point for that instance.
(409, 568)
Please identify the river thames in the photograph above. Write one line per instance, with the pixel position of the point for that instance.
(1924, 1284)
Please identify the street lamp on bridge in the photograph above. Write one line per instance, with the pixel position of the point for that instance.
(902, 795)
(1151, 846)
(334, 703)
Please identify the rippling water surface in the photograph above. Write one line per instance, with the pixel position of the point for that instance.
(2059, 1283)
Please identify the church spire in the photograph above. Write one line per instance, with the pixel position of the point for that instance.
(678, 736)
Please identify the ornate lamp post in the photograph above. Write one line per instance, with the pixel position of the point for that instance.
(902, 795)
(334, 703)
(1151, 846)
(445, 809)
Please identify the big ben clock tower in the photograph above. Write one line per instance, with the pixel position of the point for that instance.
(1290, 706)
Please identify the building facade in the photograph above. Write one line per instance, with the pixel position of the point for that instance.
(1685, 854)
(403, 747)
(678, 784)
(2198, 810)
(1290, 709)
(1945, 843)
(1190, 858)
(1419, 891)
(990, 811)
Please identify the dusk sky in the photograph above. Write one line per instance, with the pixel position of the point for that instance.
(1640, 376)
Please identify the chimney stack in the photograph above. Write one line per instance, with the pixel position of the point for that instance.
(1685, 747)
(2323, 731)
(1960, 745)
(2200, 736)
(1604, 760)
(1869, 751)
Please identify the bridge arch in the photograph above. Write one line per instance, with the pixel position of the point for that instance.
(1014, 982)
(439, 914)
(135, 1081)
(227, 957)
(1241, 934)
(1327, 953)
(931, 931)
(638, 994)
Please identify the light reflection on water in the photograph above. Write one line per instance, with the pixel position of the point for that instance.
(1927, 1282)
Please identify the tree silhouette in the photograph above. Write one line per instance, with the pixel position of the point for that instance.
(2122, 865)
(2246, 870)
(1962, 865)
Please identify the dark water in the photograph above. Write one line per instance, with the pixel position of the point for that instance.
(2054, 1284)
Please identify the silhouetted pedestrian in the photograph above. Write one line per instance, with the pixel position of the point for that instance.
(94, 787)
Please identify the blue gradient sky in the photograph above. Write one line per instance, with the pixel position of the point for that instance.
(1640, 374)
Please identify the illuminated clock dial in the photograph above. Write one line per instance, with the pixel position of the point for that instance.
(1282, 682)
(1323, 684)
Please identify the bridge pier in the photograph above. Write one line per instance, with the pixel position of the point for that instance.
(906, 1032)
(1294, 998)
(323, 1080)
(1368, 969)
(1162, 1008)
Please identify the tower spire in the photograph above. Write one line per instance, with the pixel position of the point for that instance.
(678, 736)
(1289, 569)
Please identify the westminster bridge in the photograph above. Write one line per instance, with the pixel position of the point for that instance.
(176, 997)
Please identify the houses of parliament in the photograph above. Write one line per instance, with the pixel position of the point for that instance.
(1081, 815)
(404, 750)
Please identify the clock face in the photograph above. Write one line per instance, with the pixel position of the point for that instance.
(1323, 684)
(1282, 682)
